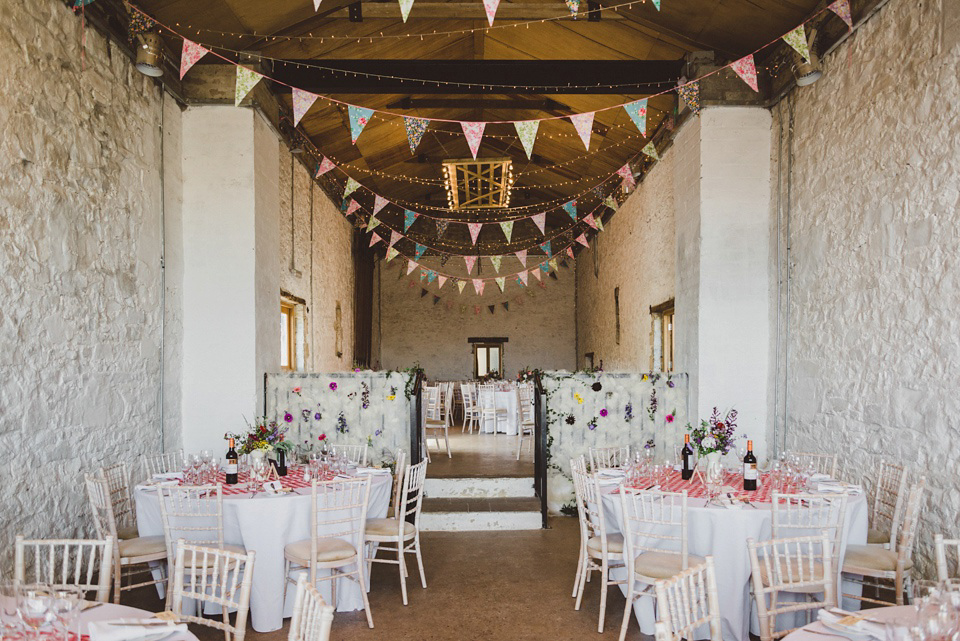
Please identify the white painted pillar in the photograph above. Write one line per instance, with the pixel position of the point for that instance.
(231, 280)
(723, 256)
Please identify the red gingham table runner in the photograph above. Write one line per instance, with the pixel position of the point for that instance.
(696, 489)
(292, 481)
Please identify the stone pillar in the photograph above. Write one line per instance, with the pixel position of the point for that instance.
(230, 271)
(723, 236)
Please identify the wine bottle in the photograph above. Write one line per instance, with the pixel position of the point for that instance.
(750, 469)
(231, 464)
(687, 472)
(281, 463)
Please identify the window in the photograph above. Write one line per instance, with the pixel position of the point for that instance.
(588, 360)
(487, 356)
(663, 332)
(288, 333)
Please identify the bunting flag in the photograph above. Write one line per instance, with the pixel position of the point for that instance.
(650, 150)
(599, 222)
(325, 165)
(441, 281)
(490, 6)
(302, 101)
(842, 9)
(191, 53)
(391, 253)
(247, 79)
(690, 94)
(442, 227)
(374, 239)
(351, 186)
(419, 249)
(627, 174)
(423, 292)
(507, 228)
(522, 278)
(478, 286)
(545, 267)
(379, 202)
(415, 129)
(798, 40)
(470, 261)
(637, 110)
(570, 249)
(405, 6)
(423, 275)
(574, 6)
(359, 117)
(584, 126)
(394, 237)
(473, 132)
(476, 310)
(408, 218)
(522, 257)
(501, 283)
(436, 299)
(474, 231)
(505, 304)
(492, 308)
(352, 207)
(747, 70)
(410, 266)
(546, 248)
(527, 133)
(610, 202)
(540, 221)
(553, 264)
(431, 275)
(496, 261)
(316, 5)
(656, 3)
(590, 220)
(582, 239)
(536, 273)
(460, 285)
(571, 208)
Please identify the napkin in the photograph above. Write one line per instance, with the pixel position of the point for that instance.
(154, 484)
(603, 480)
(611, 471)
(837, 487)
(125, 629)
(372, 470)
(851, 622)
(167, 476)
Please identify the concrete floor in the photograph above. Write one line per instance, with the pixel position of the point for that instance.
(508, 586)
(480, 455)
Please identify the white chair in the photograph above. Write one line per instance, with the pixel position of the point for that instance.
(889, 492)
(225, 584)
(163, 463)
(655, 542)
(312, 617)
(404, 536)
(471, 411)
(339, 509)
(609, 457)
(808, 515)
(599, 551)
(877, 564)
(130, 554)
(83, 563)
(487, 398)
(399, 467)
(796, 565)
(688, 601)
(943, 567)
(526, 426)
(820, 463)
(357, 454)
(118, 480)
(437, 420)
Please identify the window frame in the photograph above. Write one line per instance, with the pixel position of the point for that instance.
(663, 336)
(288, 315)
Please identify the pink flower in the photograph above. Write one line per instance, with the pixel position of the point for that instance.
(322, 437)
(288, 417)
(669, 418)
(333, 386)
(603, 412)
(296, 390)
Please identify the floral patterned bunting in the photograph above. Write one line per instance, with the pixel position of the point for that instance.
(247, 79)
(610, 202)
(584, 126)
(379, 202)
(650, 150)
(574, 6)
(441, 280)
(522, 256)
(536, 272)
(478, 286)
(351, 186)
(473, 132)
(582, 239)
(415, 129)
(431, 275)
(522, 278)
(410, 266)
(798, 40)
(501, 282)
(408, 218)
(570, 250)
(418, 251)
(442, 227)
(352, 207)
(590, 220)
(302, 101)
(627, 174)
(470, 261)
(191, 53)
(490, 6)
(474, 231)
(372, 222)
(527, 132)
(374, 239)
(842, 9)
(540, 220)
(394, 237)
(637, 110)
(460, 285)
(747, 70)
(546, 248)
(507, 228)
(599, 222)
(656, 3)
(571, 208)
(359, 117)
(405, 6)
(496, 261)
(316, 5)
(690, 94)
(325, 165)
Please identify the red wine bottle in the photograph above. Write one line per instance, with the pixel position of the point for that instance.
(231, 464)
(750, 469)
(687, 472)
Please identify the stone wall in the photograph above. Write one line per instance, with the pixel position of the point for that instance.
(873, 351)
(539, 323)
(80, 266)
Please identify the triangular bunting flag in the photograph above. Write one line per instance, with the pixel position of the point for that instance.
(599, 222)
(316, 5)
(436, 299)
(405, 6)
(545, 267)
(351, 186)
(570, 249)
(553, 264)
(473, 132)
(610, 202)
(522, 257)
(637, 110)
(441, 280)
(492, 308)
(359, 116)
(442, 227)
(540, 221)
(470, 261)
(431, 276)
(522, 278)
(747, 71)
(325, 165)
(352, 207)
(650, 150)
(507, 228)
(460, 285)
(584, 126)
(191, 53)
(423, 274)
(478, 286)
(374, 239)
(419, 250)
(490, 6)
(546, 248)
(536, 272)
(627, 174)
(496, 262)
(842, 9)
(379, 202)
(394, 237)
(372, 222)
(527, 133)
(415, 129)
(798, 40)
(408, 218)
(505, 304)
(571, 208)
(247, 79)
(690, 94)
(410, 266)
(553, 275)
(501, 282)
(582, 239)
(590, 220)
(474, 231)
(391, 253)
(574, 6)
(302, 101)
(656, 3)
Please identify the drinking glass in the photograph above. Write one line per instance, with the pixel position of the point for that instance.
(258, 472)
(214, 468)
(65, 608)
(11, 628)
(33, 606)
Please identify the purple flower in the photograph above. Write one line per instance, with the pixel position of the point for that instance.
(671, 384)
(333, 386)
(288, 417)
(603, 412)
(592, 425)
(317, 416)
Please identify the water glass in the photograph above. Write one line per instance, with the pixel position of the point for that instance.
(34, 603)
(67, 600)
(11, 628)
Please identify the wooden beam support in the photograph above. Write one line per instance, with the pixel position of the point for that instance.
(470, 11)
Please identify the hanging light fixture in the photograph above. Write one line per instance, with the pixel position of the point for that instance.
(150, 54)
(807, 71)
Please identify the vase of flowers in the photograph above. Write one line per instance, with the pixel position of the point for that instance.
(262, 439)
(712, 439)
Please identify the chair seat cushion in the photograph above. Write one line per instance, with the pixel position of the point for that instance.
(663, 565)
(878, 537)
(614, 544)
(389, 527)
(327, 550)
(142, 546)
(127, 532)
(790, 572)
(871, 557)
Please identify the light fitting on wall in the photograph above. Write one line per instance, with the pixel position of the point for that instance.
(150, 54)
(807, 71)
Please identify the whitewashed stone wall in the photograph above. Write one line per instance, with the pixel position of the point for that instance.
(80, 275)
(539, 324)
(637, 254)
(874, 343)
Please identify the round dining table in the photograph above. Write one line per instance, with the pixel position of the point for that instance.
(266, 523)
(815, 631)
(97, 612)
(722, 532)
(504, 398)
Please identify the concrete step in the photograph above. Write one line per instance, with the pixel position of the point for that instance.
(503, 487)
(472, 514)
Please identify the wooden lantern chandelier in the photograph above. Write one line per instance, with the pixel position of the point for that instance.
(478, 184)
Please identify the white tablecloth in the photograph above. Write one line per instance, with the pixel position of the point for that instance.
(502, 400)
(110, 612)
(723, 533)
(266, 524)
(892, 613)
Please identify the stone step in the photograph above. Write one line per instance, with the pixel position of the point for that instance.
(503, 487)
(472, 514)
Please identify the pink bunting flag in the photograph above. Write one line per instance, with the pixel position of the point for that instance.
(745, 68)
(536, 273)
(470, 262)
(570, 251)
(379, 202)
(590, 220)
(474, 231)
(410, 266)
(302, 101)
(842, 9)
(627, 174)
(473, 132)
(582, 239)
(490, 6)
(325, 165)
(478, 286)
(540, 220)
(394, 237)
(191, 53)
(522, 257)
(352, 207)
(441, 280)
(522, 277)
(374, 239)
(584, 126)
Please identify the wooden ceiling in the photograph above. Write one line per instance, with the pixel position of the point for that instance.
(560, 169)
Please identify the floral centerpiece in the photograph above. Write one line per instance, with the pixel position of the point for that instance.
(263, 436)
(715, 434)
(527, 375)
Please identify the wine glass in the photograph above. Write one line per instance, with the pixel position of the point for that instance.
(258, 472)
(10, 625)
(33, 606)
(65, 607)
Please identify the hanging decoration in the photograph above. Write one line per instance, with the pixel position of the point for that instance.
(574, 6)
(410, 266)
(191, 53)
(379, 202)
(351, 186)
(590, 220)
(571, 208)
(302, 101)
(247, 79)
(582, 239)
(374, 239)
(418, 251)
(609, 202)
(359, 117)
(469, 261)
(441, 280)
(415, 127)
(391, 253)
(394, 237)
(325, 165)
(690, 94)
(656, 3)
(522, 256)
(583, 123)
(798, 40)
(546, 248)
(408, 218)
(473, 132)
(352, 207)
(372, 222)
(629, 182)
(650, 150)
(490, 6)
(496, 262)
(474, 231)
(507, 228)
(570, 250)
(442, 227)
(501, 283)
(405, 6)
(637, 110)
(747, 70)
(842, 9)
(527, 133)
(540, 221)
(460, 285)
(478, 286)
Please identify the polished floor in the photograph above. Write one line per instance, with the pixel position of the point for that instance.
(480, 455)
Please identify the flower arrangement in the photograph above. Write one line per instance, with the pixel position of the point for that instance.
(262, 435)
(527, 375)
(715, 434)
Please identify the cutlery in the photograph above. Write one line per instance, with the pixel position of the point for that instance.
(91, 606)
(844, 613)
(147, 623)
